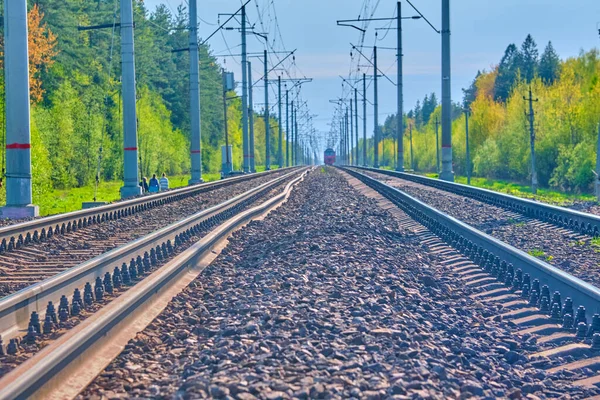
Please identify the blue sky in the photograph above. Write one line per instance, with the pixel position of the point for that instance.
(481, 30)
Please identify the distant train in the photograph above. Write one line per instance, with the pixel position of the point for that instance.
(329, 157)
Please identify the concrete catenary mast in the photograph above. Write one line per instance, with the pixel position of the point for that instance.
(18, 133)
(130, 168)
(447, 172)
(196, 151)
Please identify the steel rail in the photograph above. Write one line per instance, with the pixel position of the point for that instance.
(17, 235)
(15, 309)
(39, 372)
(490, 253)
(577, 221)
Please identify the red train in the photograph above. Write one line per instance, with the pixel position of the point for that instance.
(329, 157)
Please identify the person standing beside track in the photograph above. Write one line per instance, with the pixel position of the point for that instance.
(154, 185)
(144, 184)
(164, 183)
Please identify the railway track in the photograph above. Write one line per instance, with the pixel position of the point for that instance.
(570, 250)
(559, 311)
(172, 253)
(353, 297)
(36, 250)
(585, 223)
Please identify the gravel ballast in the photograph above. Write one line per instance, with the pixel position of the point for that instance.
(330, 296)
(572, 252)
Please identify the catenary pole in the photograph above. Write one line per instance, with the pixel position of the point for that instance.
(292, 150)
(437, 144)
(467, 152)
(296, 136)
(292, 130)
(196, 143)
(245, 137)
(267, 124)
(412, 160)
(287, 129)
(597, 186)
(534, 181)
(375, 117)
(227, 168)
(351, 138)
(18, 128)
(365, 120)
(598, 165)
(347, 136)
(251, 159)
(356, 123)
(130, 167)
(400, 113)
(447, 173)
(341, 153)
(279, 122)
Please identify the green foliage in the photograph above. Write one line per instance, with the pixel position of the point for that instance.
(508, 71)
(566, 123)
(529, 59)
(77, 128)
(536, 253)
(518, 190)
(65, 200)
(549, 65)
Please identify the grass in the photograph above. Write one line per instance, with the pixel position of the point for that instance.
(595, 243)
(514, 222)
(536, 253)
(66, 200)
(515, 189)
(261, 168)
(540, 254)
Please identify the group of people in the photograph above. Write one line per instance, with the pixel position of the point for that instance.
(154, 185)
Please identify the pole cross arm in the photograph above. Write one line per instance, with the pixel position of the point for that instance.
(369, 60)
(224, 23)
(276, 65)
(340, 23)
(102, 26)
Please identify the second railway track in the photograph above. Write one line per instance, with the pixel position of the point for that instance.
(555, 315)
(565, 247)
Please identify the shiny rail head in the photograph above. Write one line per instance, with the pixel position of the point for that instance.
(574, 220)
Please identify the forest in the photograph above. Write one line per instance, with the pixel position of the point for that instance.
(566, 118)
(76, 99)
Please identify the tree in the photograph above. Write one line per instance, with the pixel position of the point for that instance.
(549, 65)
(418, 114)
(389, 127)
(529, 59)
(470, 93)
(508, 71)
(41, 42)
(429, 105)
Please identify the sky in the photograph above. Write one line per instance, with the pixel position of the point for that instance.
(480, 32)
